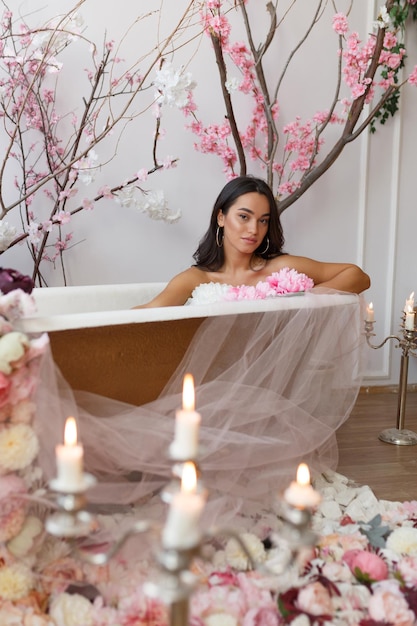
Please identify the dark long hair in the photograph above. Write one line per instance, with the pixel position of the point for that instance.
(209, 256)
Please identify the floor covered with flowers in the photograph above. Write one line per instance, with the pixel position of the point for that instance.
(362, 571)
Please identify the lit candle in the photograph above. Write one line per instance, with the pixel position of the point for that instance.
(182, 528)
(300, 493)
(370, 317)
(69, 460)
(409, 303)
(410, 319)
(187, 424)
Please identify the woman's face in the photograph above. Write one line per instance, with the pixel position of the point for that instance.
(246, 222)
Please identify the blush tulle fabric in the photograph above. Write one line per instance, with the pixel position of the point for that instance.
(272, 389)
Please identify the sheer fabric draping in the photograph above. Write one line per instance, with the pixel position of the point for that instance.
(272, 389)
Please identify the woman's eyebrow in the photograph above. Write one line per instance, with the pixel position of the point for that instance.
(252, 212)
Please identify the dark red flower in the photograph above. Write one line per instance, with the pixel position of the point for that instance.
(11, 279)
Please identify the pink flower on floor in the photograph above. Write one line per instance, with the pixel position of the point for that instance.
(407, 569)
(12, 508)
(4, 389)
(315, 600)
(366, 566)
(388, 605)
(261, 617)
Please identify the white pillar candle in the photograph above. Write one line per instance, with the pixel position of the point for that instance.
(370, 316)
(409, 303)
(300, 493)
(69, 460)
(182, 528)
(187, 424)
(410, 319)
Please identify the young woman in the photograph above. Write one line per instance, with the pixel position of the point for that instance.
(243, 245)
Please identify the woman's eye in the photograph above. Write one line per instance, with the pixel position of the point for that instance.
(243, 216)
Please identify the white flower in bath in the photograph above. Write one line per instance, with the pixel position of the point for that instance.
(12, 347)
(236, 556)
(155, 205)
(173, 86)
(7, 234)
(71, 610)
(16, 581)
(209, 293)
(403, 540)
(18, 447)
(20, 545)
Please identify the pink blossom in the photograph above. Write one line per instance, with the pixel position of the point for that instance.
(340, 24)
(106, 192)
(412, 79)
(366, 564)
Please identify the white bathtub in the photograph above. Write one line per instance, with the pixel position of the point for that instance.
(103, 346)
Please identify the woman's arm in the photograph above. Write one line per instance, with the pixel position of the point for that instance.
(340, 276)
(177, 291)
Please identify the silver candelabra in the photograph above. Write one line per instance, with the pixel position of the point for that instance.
(174, 582)
(407, 341)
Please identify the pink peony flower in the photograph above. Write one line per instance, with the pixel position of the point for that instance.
(366, 565)
(315, 600)
(388, 605)
(261, 617)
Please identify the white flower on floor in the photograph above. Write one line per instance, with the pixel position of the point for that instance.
(12, 348)
(20, 545)
(403, 540)
(236, 556)
(16, 581)
(71, 610)
(220, 619)
(18, 447)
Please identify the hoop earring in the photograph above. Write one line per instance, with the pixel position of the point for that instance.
(218, 241)
(267, 247)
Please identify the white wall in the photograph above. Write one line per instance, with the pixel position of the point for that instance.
(362, 210)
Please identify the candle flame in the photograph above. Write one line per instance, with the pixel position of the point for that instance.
(189, 478)
(370, 306)
(303, 474)
(411, 297)
(188, 396)
(70, 432)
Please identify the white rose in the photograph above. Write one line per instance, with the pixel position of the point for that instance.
(403, 540)
(236, 556)
(71, 610)
(12, 348)
(23, 542)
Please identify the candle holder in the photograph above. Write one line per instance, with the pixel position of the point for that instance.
(174, 581)
(407, 341)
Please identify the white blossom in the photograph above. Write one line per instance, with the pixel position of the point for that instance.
(173, 86)
(232, 84)
(383, 19)
(125, 197)
(18, 447)
(155, 205)
(7, 234)
(86, 167)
